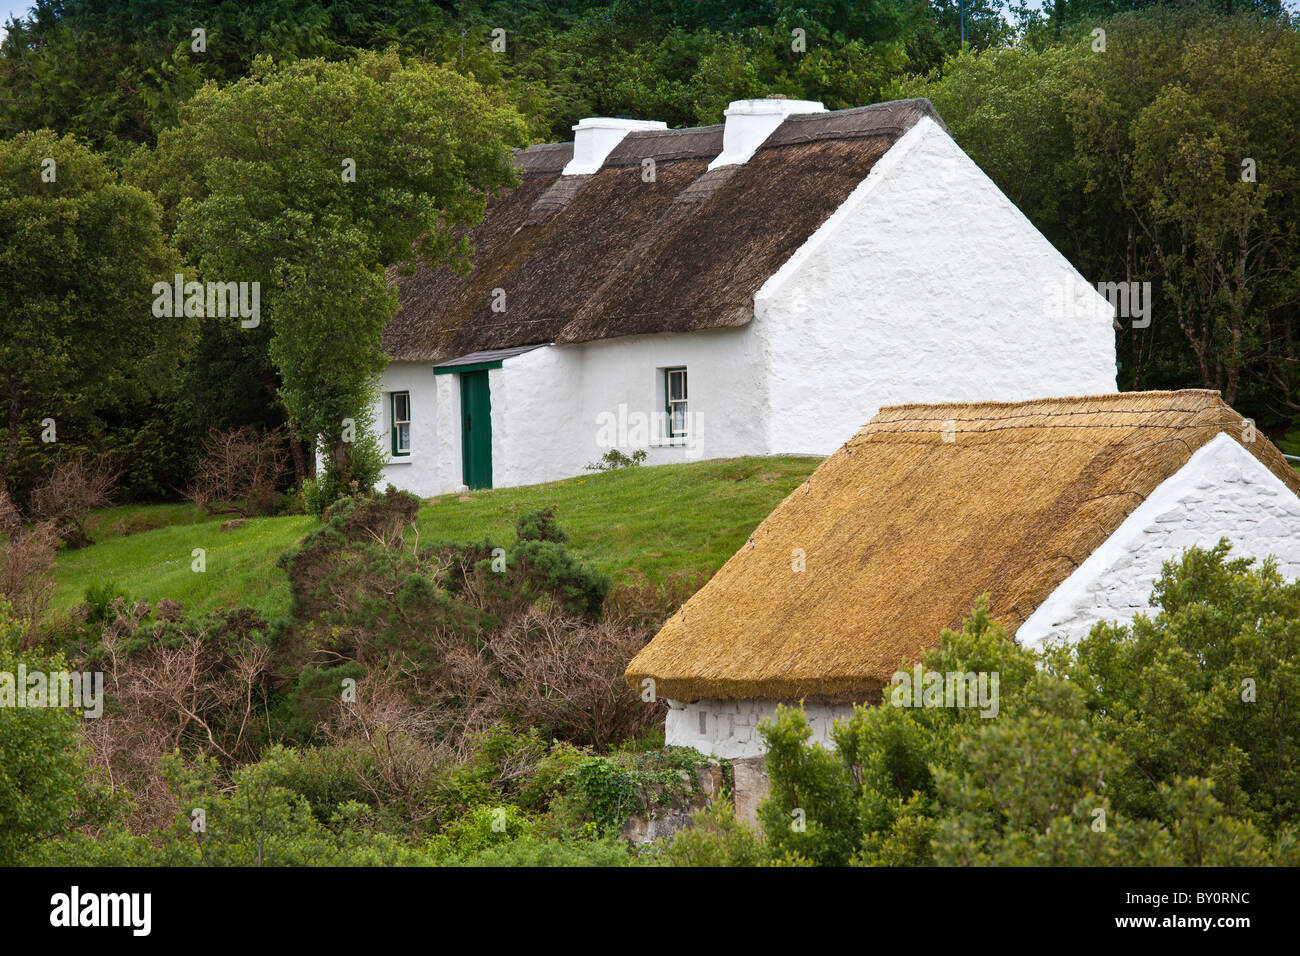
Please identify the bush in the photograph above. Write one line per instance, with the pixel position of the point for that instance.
(77, 485)
(99, 600)
(1205, 688)
(716, 838)
(530, 850)
(565, 677)
(239, 472)
(47, 788)
(539, 526)
(26, 585)
(614, 459)
(365, 468)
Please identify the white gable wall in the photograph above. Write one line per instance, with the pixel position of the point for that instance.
(1222, 492)
(926, 285)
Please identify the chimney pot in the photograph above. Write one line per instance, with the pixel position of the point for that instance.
(750, 122)
(595, 137)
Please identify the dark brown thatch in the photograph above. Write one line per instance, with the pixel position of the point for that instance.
(903, 531)
(592, 257)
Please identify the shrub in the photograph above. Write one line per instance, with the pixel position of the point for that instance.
(715, 838)
(479, 829)
(565, 677)
(47, 788)
(1164, 742)
(26, 585)
(1205, 688)
(77, 485)
(539, 526)
(614, 459)
(365, 467)
(530, 850)
(99, 600)
(239, 472)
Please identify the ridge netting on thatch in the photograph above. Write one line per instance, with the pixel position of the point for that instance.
(902, 529)
(619, 252)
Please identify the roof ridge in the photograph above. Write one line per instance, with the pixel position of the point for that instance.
(1062, 400)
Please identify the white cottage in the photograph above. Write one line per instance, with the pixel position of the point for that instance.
(1061, 510)
(757, 287)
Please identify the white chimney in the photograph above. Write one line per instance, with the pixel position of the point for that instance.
(749, 122)
(595, 137)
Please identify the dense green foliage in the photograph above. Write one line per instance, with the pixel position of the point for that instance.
(118, 72)
(46, 787)
(1168, 157)
(79, 252)
(310, 180)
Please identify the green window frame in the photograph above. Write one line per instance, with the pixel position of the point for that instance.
(675, 401)
(399, 415)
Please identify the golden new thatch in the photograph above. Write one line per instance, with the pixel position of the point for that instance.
(902, 529)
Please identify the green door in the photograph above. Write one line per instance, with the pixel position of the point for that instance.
(475, 429)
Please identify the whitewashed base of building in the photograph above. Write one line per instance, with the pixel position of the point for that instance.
(728, 729)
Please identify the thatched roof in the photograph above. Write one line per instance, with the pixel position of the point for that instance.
(903, 531)
(597, 256)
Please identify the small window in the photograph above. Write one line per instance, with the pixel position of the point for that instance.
(675, 401)
(401, 418)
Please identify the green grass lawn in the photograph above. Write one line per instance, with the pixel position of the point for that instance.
(656, 520)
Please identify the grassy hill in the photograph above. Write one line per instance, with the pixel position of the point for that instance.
(654, 520)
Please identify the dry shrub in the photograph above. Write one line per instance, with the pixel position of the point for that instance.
(566, 676)
(25, 580)
(391, 746)
(185, 694)
(239, 472)
(77, 485)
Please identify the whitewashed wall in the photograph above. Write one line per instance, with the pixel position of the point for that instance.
(926, 285)
(553, 407)
(432, 451)
(1222, 491)
(731, 726)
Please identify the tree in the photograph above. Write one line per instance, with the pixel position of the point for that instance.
(1163, 155)
(311, 180)
(79, 254)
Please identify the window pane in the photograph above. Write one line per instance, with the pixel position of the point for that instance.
(679, 420)
(402, 406)
(403, 437)
(676, 385)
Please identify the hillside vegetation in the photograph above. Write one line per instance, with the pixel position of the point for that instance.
(650, 521)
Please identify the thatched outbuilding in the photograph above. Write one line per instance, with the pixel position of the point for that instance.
(752, 287)
(1061, 510)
